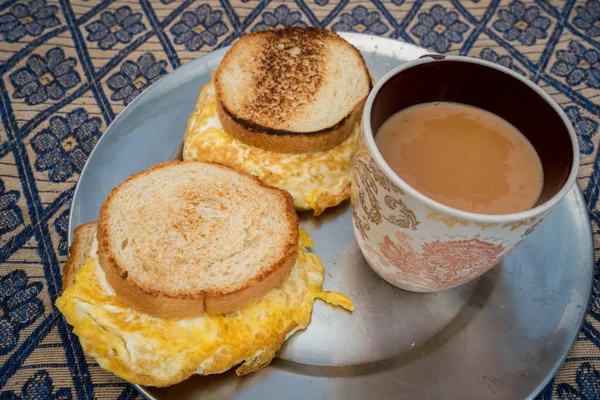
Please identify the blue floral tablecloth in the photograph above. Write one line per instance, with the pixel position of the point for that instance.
(67, 68)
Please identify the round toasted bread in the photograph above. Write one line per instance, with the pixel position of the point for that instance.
(291, 90)
(184, 238)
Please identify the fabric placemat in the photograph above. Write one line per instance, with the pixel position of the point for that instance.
(67, 68)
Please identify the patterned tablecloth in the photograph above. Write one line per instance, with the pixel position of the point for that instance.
(67, 68)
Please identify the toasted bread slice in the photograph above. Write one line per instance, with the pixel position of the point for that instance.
(78, 252)
(186, 237)
(292, 90)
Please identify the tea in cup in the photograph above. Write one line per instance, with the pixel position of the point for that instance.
(459, 159)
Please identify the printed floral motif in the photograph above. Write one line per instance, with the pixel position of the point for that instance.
(372, 253)
(361, 224)
(590, 329)
(135, 77)
(440, 264)
(64, 146)
(438, 29)
(490, 55)
(120, 26)
(594, 308)
(450, 222)
(457, 258)
(199, 28)
(61, 224)
(484, 225)
(47, 77)
(321, 2)
(585, 128)
(361, 20)
(402, 264)
(367, 164)
(28, 19)
(40, 386)
(522, 23)
(588, 18)
(587, 379)
(368, 180)
(400, 253)
(518, 224)
(578, 65)
(505, 60)
(280, 17)
(10, 213)
(20, 307)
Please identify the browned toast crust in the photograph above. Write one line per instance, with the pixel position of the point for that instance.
(78, 252)
(147, 299)
(284, 141)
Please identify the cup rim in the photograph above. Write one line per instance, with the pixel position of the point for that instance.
(541, 209)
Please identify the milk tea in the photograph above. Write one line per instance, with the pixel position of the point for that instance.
(462, 156)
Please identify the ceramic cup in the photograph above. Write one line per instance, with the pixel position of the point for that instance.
(421, 245)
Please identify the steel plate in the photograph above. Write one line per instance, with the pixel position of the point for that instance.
(502, 336)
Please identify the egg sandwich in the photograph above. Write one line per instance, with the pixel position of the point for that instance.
(192, 268)
(285, 105)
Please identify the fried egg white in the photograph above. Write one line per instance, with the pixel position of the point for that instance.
(153, 351)
(315, 180)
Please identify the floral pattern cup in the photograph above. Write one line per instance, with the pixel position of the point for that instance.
(418, 244)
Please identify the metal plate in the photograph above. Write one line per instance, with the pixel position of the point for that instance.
(502, 336)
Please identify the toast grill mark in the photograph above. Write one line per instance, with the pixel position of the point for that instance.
(294, 62)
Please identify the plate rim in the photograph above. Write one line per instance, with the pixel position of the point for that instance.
(588, 224)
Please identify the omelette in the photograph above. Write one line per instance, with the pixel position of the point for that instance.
(315, 180)
(152, 351)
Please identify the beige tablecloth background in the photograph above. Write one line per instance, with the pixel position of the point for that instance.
(67, 68)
